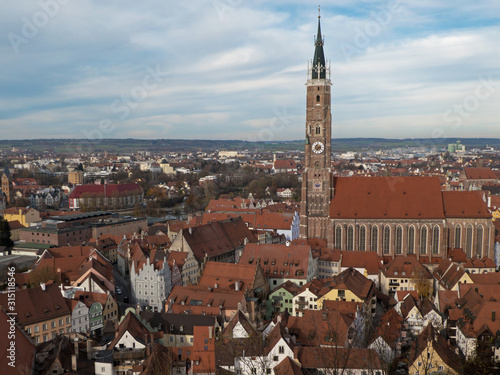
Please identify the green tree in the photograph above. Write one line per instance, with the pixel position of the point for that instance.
(5, 235)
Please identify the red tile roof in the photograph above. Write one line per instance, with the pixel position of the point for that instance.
(465, 204)
(35, 305)
(24, 352)
(285, 164)
(110, 190)
(387, 197)
(404, 267)
(278, 260)
(218, 238)
(134, 327)
(225, 275)
(482, 173)
(361, 259)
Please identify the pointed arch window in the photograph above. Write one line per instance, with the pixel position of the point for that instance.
(411, 240)
(374, 244)
(318, 129)
(458, 237)
(350, 238)
(362, 238)
(479, 241)
(468, 241)
(435, 240)
(387, 239)
(399, 240)
(318, 98)
(423, 240)
(338, 237)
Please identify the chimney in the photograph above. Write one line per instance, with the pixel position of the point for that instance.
(210, 332)
(42, 285)
(76, 348)
(216, 285)
(190, 230)
(148, 345)
(237, 286)
(493, 315)
(73, 362)
(89, 350)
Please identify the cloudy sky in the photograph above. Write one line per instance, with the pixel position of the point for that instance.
(235, 69)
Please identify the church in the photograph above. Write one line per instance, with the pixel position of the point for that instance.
(394, 216)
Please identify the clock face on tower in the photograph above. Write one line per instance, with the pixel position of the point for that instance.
(318, 147)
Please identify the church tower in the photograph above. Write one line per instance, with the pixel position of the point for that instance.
(317, 177)
(7, 191)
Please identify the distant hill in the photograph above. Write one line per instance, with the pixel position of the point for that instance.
(75, 146)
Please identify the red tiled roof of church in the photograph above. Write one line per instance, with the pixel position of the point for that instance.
(387, 197)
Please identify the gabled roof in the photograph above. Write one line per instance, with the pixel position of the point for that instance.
(278, 333)
(440, 346)
(24, 347)
(338, 358)
(447, 299)
(486, 278)
(109, 190)
(134, 327)
(408, 304)
(288, 367)
(35, 305)
(91, 297)
(387, 198)
(198, 299)
(172, 323)
(241, 319)
(289, 286)
(225, 275)
(448, 274)
(485, 262)
(353, 280)
(458, 204)
(319, 327)
(285, 164)
(362, 259)
(389, 328)
(479, 173)
(278, 260)
(404, 267)
(218, 238)
(274, 220)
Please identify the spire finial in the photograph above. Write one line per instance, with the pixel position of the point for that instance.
(319, 11)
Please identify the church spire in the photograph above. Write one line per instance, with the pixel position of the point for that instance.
(319, 65)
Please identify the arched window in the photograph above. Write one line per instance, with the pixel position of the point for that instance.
(411, 240)
(387, 239)
(338, 237)
(423, 240)
(479, 241)
(318, 99)
(350, 238)
(458, 237)
(362, 238)
(399, 240)
(374, 244)
(435, 240)
(318, 130)
(468, 241)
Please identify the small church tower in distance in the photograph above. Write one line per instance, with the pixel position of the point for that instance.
(317, 175)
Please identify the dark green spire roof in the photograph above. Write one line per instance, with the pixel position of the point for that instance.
(319, 56)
